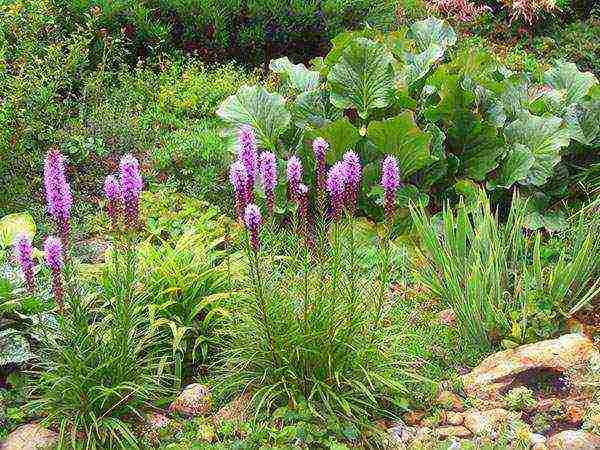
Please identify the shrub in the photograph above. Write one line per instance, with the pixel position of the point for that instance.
(493, 277)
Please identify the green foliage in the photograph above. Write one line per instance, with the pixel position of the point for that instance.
(317, 327)
(493, 276)
(520, 399)
(453, 119)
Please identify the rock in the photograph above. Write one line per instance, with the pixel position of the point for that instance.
(451, 401)
(574, 440)
(30, 437)
(453, 432)
(485, 422)
(413, 417)
(236, 410)
(400, 433)
(156, 421)
(453, 418)
(447, 317)
(496, 373)
(538, 439)
(195, 400)
(539, 446)
(574, 414)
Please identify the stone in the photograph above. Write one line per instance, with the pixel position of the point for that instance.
(496, 373)
(453, 432)
(236, 410)
(30, 437)
(538, 439)
(413, 417)
(156, 421)
(400, 433)
(539, 446)
(450, 401)
(486, 422)
(453, 418)
(447, 317)
(574, 414)
(194, 400)
(574, 440)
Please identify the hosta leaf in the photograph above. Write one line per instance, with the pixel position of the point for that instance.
(514, 168)
(14, 224)
(481, 150)
(14, 348)
(544, 137)
(297, 75)
(363, 78)
(572, 84)
(583, 120)
(253, 105)
(416, 66)
(401, 137)
(432, 31)
(341, 136)
(313, 109)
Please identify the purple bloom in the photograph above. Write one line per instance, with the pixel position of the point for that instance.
(131, 187)
(112, 191)
(54, 258)
(23, 253)
(303, 205)
(390, 180)
(336, 186)
(248, 154)
(239, 179)
(253, 220)
(320, 147)
(353, 173)
(294, 176)
(268, 173)
(58, 192)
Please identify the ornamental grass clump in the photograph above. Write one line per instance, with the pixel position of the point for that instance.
(313, 325)
(98, 360)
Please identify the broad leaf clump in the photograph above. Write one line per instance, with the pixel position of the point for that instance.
(452, 118)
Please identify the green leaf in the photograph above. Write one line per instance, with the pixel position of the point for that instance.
(363, 78)
(481, 150)
(297, 75)
(514, 168)
(572, 84)
(14, 348)
(416, 66)
(544, 137)
(341, 136)
(432, 31)
(583, 120)
(265, 112)
(400, 136)
(313, 109)
(13, 225)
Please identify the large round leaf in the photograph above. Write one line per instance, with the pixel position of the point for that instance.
(296, 75)
(432, 31)
(341, 136)
(400, 136)
(363, 78)
(265, 112)
(572, 84)
(13, 225)
(544, 137)
(583, 120)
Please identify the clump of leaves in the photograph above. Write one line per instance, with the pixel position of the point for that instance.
(520, 399)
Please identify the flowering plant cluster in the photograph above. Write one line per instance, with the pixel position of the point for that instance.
(341, 183)
(463, 10)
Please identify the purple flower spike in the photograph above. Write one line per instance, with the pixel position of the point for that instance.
(253, 220)
(336, 186)
(54, 258)
(320, 147)
(294, 176)
(23, 253)
(268, 174)
(131, 187)
(112, 191)
(248, 154)
(390, 180)
(58, 192)
(353, 173)
(239, 179)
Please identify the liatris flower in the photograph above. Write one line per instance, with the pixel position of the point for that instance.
(268, 174)
(252, 219)
(336, 185)
(353, 174)
(58, 192)
(248, 154)
(294, 176)
(54, 258)
(390, 180)
(112, 191)
(23, 253)
(131, 187)
(303, 204)
(239, 179)
(320, 147)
